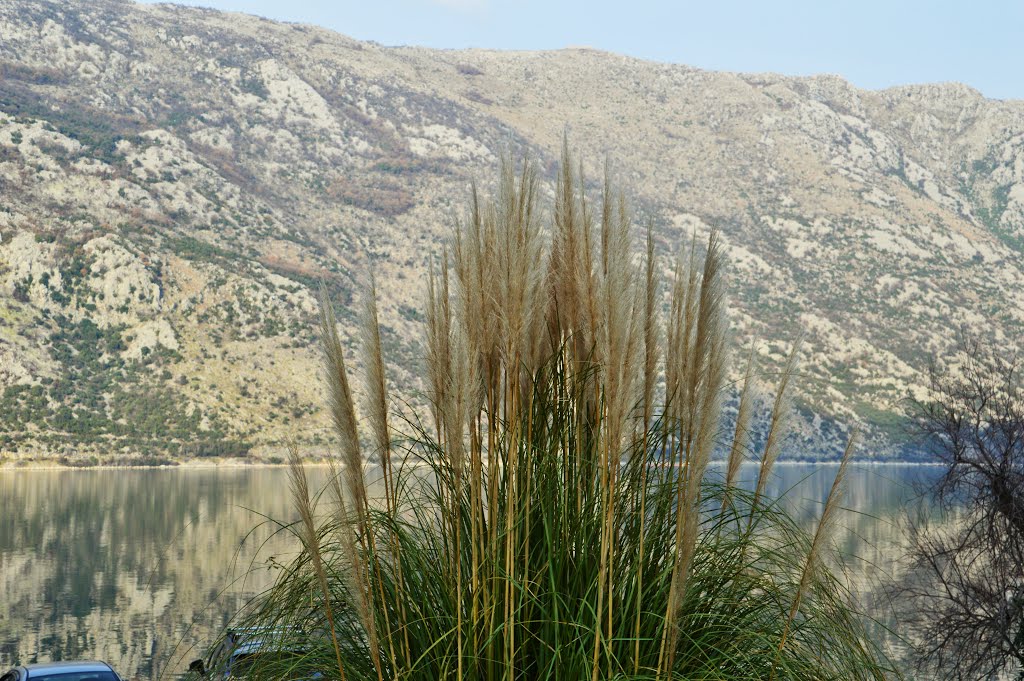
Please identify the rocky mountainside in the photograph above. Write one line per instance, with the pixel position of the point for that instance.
(174, 182)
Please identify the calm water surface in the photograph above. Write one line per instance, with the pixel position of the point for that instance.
(142, 567)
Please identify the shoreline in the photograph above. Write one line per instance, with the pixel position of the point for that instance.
(180, 465)
(193, 464)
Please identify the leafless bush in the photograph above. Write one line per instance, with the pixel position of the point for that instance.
(965, 588)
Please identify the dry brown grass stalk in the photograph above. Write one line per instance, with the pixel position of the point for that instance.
(651, 349)
(342, 409)
(310, 538)
(781, 412)
(376, 392)
(702, 333)
(377, 410)
(438, 338)
(741, 434)
(822, 536)
(343, 416)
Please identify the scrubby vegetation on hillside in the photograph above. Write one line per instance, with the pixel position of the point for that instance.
(102, 398)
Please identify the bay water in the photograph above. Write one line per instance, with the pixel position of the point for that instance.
(142, 568)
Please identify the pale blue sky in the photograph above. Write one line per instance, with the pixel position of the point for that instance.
(872, 43)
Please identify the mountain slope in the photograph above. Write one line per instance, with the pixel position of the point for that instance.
(174, 182)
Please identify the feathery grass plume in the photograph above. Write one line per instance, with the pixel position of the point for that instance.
(652, 334)
(343, 415)
(680, 362)
(342, 408)
(377, 410)
(558, 521)
(571, 270)
(474, 246)
(619, 340)
(704, 376)
(519, 297)
(438, 339)
(781, 412)
(712, 353)
(376, 387)
(741, 434)
(310, 538)
(651, 349)
(440, 358)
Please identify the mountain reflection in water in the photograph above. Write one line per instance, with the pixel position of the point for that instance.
(141, 568)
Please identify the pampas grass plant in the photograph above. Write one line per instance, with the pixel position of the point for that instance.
(560, 521)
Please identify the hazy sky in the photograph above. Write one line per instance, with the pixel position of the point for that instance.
(873, 43)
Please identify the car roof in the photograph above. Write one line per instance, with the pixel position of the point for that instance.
(68, 667)
(248, 640)
(262, 645)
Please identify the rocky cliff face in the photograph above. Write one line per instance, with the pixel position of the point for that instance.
(174, 183)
